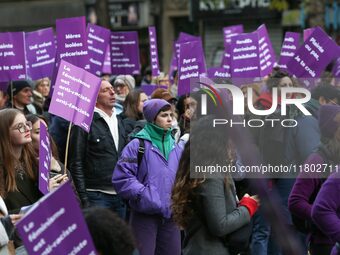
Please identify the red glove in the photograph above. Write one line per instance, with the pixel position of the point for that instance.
(250, 204)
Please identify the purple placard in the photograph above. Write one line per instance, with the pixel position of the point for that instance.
(107, 61)
(245, 57)
(44, 158)
(289, 46)
(125, 53)
(307, 32)
(55, 225)
(182, 38)
(75, 95)
(40, 52)
(229, 32)
(191, 64)
(153, 51)
(12, 56)
(313, 55)
(98, 39)
(72, 43)
(148, 89)
(218, 72)
(266, 51)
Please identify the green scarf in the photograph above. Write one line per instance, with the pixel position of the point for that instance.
(159, 137)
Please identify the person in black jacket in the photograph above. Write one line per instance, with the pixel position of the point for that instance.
(93, 155)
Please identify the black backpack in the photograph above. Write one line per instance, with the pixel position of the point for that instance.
(141, 150)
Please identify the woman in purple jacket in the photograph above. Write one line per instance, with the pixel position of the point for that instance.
(147, 184)
(326, 209)
(309, 181)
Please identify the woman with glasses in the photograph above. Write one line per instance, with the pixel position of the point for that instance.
(18, 163)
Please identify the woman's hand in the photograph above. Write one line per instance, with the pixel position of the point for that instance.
(255, 197)
(56, 181)
(15, 218)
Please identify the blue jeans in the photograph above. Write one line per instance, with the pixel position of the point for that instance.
(260, 236)
(113, 202)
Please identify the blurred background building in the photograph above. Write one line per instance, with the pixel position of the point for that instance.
(200, 17)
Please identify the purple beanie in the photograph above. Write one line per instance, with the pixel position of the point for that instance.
(152, 107)
(328, 122)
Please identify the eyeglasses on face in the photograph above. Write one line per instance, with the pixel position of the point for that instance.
(23, 127)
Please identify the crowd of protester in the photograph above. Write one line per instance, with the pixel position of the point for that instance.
(131, 171)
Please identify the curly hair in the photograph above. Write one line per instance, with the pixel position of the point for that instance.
(183, 190)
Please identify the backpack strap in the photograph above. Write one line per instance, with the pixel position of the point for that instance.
(141, 150)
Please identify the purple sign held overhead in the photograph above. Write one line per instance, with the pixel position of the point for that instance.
(266, 51)
(56, 226)
(125, 53)
(107, 61)
(313, 56)
(98, 39)
(289, 46)
(12, 56)
(75, 95)
(72, 44)
(40, 52)
(153, 51)
(245, 57)
(182, 38)
(45, 156)
(229, 32)
(191, 64)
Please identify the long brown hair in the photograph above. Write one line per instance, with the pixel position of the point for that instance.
(210, 146)
(183, 191)
(131, 104)
(8, 162)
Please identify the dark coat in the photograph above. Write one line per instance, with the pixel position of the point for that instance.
(93, 156)
(215, 215)
(28, 193)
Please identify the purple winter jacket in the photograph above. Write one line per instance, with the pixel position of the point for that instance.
(326, 208)
(299, 202)
(148, 189)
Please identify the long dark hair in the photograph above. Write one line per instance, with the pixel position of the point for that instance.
(209, 146)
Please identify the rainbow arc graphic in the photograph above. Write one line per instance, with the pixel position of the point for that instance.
(213, 94)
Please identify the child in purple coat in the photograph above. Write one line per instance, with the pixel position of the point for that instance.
(147, 186)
